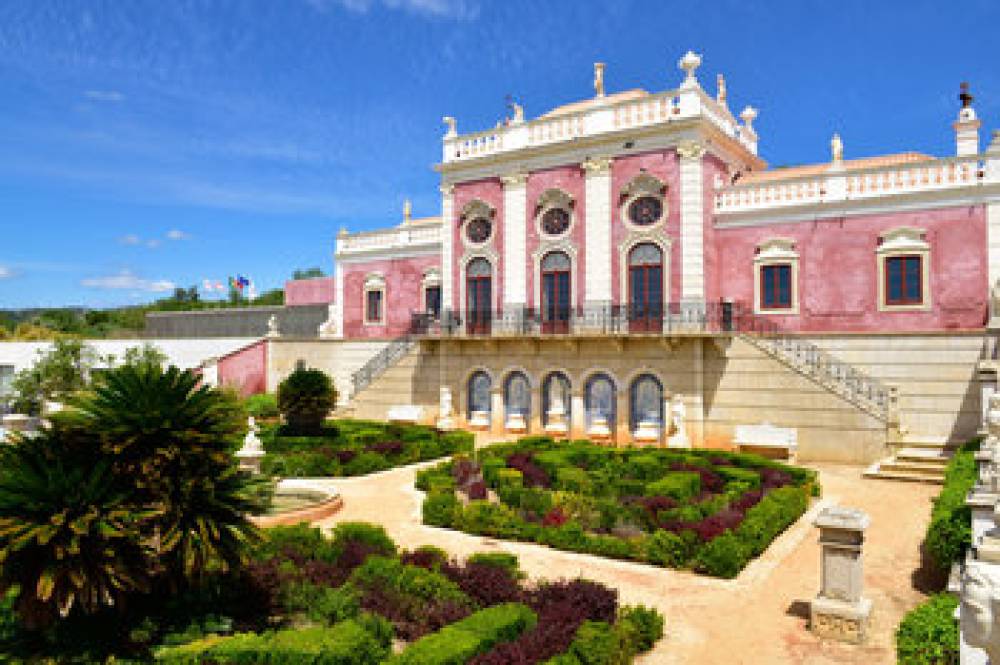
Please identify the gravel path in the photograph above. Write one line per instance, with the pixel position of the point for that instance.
(760, 617)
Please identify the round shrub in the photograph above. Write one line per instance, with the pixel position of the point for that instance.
(665, 548)
(370, 537)
(723, 556)
(440, 509)
(641, 625)
(304, 399)
(928, 634)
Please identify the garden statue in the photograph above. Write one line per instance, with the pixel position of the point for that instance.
(979, 612)
(445, 421)
(272, 326)
(678, 431)
(555, 420)
(252, 451)
(993, 419)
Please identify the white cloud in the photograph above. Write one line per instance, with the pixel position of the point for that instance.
(454, 9)
(153, 243)
(6, 272)
(177, 234)
(130, 239)
(112, 96)
(127, 280)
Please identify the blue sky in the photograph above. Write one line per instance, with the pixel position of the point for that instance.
(146, 143)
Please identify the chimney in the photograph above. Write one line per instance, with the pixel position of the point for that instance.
(967, 125)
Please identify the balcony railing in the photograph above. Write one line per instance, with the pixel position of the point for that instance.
(666, 319)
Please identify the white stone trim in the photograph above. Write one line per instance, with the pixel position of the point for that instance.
(554, 197)
(776, 252)
(904, 241)
(447, 245)
(993, 241)
(472, 210)
(597, 230)
(692, 221)
(643, 184)
(515, 232)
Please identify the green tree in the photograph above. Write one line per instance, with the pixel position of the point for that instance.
(146, 355)
(304, 399)
(308, 273)
(62, 370)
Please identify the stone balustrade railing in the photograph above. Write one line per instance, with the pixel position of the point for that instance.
(840, 186)
(404, 236)
(596, 119)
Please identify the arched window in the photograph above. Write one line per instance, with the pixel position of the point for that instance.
(645, 288)
(556, 392)
(480, 385)
(645, 401)
(600, 399)
(555, 292)
(478, 295)
(517, 395)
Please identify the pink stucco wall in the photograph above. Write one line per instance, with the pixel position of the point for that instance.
(491, 192)
(245, 369)
(403, 294)
(838, 288)
(663, 165)
(569, 179)
(318, 291)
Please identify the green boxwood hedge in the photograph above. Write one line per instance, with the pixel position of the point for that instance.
(928, 634)
(949, 533)
(458, 643)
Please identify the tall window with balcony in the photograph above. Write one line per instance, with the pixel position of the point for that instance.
(479, 296)
(555, 292)
(645, 278)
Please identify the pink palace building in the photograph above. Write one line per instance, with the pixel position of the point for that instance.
(627, 268)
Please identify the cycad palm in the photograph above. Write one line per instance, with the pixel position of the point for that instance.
(69, 534)
(173, 439)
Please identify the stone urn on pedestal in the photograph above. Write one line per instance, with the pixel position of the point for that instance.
(252, 452)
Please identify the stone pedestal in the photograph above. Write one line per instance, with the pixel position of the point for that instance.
(647, 433)
(252, 452)
(445, 420)
(599, 430)
(516, 424)
(839, 611)
(479, 421)
(556, 425)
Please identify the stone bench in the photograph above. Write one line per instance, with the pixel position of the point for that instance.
(766, 438)
(405, 413)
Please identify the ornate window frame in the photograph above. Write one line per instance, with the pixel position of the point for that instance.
(775, 252)
(431, 279)
(475, 209)
(898, 242)
(468, 257)
(550, 199)
(374, 282)
(569, 249)
(643, 184)
(639, 237)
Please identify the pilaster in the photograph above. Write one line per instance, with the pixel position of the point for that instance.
(597, 229)
(692, 221)
(515, 261)
(447, 246)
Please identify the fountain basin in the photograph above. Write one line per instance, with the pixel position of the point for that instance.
(300, 500)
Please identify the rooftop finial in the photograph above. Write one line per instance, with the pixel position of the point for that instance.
(964, 95)
(748, 115)
(836, 149)
(451, 123)
(690, 63)
(720, 95)
(407, 211)
(599, 79)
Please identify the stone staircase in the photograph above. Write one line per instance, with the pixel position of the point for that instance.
(398, 383)
(920, 459)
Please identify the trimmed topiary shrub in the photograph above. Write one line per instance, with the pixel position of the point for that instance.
(928, 634)
(724, 556)
(640, 626)
(371, 538)
(305, 399)
(681, 485)
(949, 533)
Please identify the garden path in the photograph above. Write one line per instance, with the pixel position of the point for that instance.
(760, 617)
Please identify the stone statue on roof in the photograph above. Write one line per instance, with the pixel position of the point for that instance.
(599, 79)
(837, 149)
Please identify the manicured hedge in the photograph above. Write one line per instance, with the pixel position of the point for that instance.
(928, 634)
(949, 533)
(461, 641)
(706, 510)
(355, 447)
(353, 642)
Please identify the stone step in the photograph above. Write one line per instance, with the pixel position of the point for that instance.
(899, 466)
(928, 456)
(876, 473)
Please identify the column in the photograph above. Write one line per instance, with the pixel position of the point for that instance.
(692, 221)
(597, 230)
(447, 251)
(992, 162)
(515, 232)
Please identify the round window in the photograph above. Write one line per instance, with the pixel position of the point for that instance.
(645, 210)
(555, 221)
(479, 230)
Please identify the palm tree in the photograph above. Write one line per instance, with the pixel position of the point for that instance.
(174, 440)
(69, 533)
